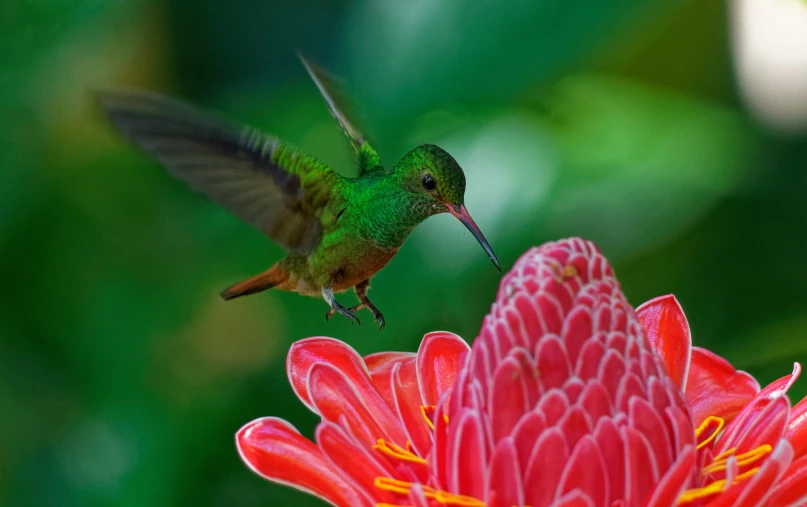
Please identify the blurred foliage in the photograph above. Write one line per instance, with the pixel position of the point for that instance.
(123, 377)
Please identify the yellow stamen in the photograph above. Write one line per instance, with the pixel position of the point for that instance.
(725, 454)
(426, 410)
(743, 459)
(708, 423)
(715, 487)
(398, 452)
(441, 497)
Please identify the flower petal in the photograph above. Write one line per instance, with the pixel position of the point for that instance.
(715, 388)
(440, 357)
(384, 361)
(763, 421)
(674, 481)
(407, 404)
(668, 332)
(574, 499)
(643, 472)
(504, 476)
(791, 490)
(543, 471)
(354, 460)
(276, 451)
(417, 498)
(467, 456)
(647, 421)
(381, 366)
(338, 401)
(781, 386)
(796, 432)
(320, 349)
(610, 441)
(511, 397)
(586, 472)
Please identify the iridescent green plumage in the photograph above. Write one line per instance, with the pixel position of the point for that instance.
(338, 231)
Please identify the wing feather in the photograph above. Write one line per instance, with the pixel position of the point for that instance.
(368, 158)
(257, 177)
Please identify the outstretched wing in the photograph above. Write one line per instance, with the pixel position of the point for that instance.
(367, 157)
(262, 180)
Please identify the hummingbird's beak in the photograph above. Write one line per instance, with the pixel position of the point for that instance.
(459, 211)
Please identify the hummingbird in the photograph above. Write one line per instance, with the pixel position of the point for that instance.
(338, 231)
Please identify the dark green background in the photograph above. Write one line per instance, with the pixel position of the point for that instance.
(123, 376)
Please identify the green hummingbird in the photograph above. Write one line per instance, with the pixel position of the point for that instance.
(338, 231)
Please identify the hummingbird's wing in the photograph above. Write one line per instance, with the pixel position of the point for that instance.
(262, 180)
(331, 91)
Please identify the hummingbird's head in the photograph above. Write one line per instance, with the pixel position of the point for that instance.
(438, 182)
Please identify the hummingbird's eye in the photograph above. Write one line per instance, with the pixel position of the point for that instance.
(428, 182)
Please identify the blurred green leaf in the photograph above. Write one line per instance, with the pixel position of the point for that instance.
(639, 164)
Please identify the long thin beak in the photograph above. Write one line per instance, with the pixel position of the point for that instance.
(462, 215)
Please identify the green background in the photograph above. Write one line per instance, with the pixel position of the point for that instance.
(123, 376)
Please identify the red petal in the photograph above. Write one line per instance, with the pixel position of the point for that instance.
(544, 468)
(440, 357)
(553, 406)
(467, 456)
(504, 476)
(781, 386)
(276, 451)
(674, 482)
(384, 361)
(510, 397)
(650, 423)
(577, 329)
(715, 388)
(553, 363)
(417, 498)
(358, 466)
(407, 405)
(796, 432)
(575, 425)
(763, 421)
(791, 490)
(612, 371)
(574, 499)
(586, 472)
(668, 332)
(644, 472)
(610, 442)
(338, 401)
(319, 349)
(594, 399)
(380, 366)
(526, 433)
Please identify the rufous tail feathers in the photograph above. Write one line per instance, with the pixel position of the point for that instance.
(270, 278)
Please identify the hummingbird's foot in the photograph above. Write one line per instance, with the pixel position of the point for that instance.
(379, 318)
(361, 293)
(327, 294)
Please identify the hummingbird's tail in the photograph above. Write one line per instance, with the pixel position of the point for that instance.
(272, 277)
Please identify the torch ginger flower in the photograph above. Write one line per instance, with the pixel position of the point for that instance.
(567, 398)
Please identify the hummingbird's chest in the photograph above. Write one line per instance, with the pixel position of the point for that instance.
(341, 262)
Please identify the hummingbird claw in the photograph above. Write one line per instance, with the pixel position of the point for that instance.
(379, 319)
(327, 294)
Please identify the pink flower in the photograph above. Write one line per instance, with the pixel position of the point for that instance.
(561, 401)
(752, 443)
